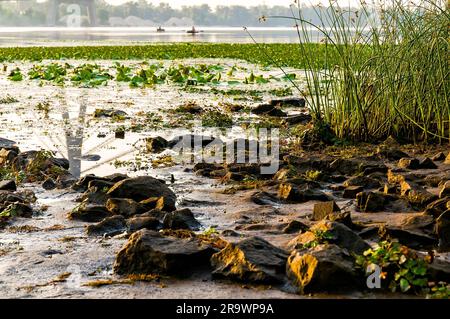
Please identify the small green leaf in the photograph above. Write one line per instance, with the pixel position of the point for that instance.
(404, 285)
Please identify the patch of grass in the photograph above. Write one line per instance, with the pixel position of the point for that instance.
(8, 99)
(217, 119)
(389, 76)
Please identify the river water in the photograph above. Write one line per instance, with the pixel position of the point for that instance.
(54, 36)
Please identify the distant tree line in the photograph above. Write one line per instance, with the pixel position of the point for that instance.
(31, 13)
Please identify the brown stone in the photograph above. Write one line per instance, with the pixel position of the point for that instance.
(149, 252)
(351, 191)
(250, 260)
(322, 269)
(409, 163)
(322, 210)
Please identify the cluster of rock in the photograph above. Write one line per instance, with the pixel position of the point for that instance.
(30, 166)
(118, 204)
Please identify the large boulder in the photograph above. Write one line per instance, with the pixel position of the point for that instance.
(322, 269)
(142, 188)
(149, 252)
(330, 232)
(250, 260)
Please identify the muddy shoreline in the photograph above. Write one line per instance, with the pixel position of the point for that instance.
(371, 192)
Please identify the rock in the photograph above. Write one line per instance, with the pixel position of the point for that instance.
(5, 143)
(89, 213)
(110, 226)
(303, 119)
(124, 206)
(409, 163)
(370, 201)
(94, 196)
(60, 162)
(16, 209)
(346, 219)
(322, 269)
(250, 260)
(65, 180)
(445, 190)
(337, 233)
(144, 187)
(427, 163)
(146, 222)
(268, 109)
(100, 184)
(443, 230)
(304, 193)
(9, 196)
(410, 238)
(263, 198)
(447, 159)
(116, 177)
(344, 166)
(391, 154)
(390, 189)
(351, 191)
(83, 182)
(363, 181)
(232, 176)
(119, 134)
(419, 223)
(156, 144)
(415, 194)
(7, 157)
(439, 270)
(437, 207)
(90, 158)
(439, 157)
(289, 101)
(153, 203)
(181, 219)
(109, 113)
(149, 252)
(294, 226)
(8, 185)
(188, 141)
(322, 210)
(49, 184)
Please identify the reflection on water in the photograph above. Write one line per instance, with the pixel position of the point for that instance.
(49, 36)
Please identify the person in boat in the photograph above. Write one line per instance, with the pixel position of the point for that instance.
(160, 29)
(193, 30)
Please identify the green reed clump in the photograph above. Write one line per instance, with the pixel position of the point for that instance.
(385, 72)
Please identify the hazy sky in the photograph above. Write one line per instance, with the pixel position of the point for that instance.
(212, 3)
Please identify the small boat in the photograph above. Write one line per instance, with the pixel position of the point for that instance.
(193, 31)
(160, 29)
